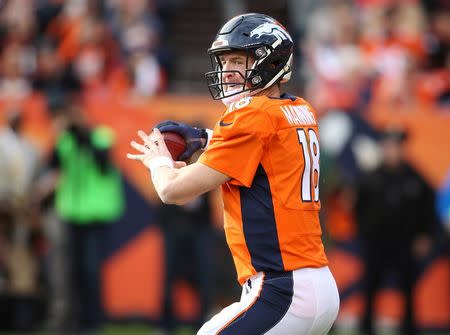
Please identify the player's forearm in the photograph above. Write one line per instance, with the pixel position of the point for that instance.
(165, 182)
(173, 187)
(178, 186)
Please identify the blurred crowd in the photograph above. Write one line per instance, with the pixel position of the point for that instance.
(376, 51)
(58, 57)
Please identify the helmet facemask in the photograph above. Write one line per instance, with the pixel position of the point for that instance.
(248, 81)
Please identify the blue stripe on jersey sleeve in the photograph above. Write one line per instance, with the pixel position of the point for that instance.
(260, 230)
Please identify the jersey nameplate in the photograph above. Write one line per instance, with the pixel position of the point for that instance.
(298, 115)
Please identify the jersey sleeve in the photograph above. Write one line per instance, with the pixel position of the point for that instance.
(237, 144)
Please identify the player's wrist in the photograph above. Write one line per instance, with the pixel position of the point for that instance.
(206, 137)
(158, 162)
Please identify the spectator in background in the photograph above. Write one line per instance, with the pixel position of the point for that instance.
(19, 162)
(335, 69)
(135, 25)
(52, 78)
(189, 244)
(434, 83)
(19, 223)
(395, 216)
(90, 61)
(89, 196)
(14, 85)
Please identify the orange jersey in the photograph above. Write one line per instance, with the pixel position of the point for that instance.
(270, 150)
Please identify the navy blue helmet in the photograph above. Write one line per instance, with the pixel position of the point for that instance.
(262, 38)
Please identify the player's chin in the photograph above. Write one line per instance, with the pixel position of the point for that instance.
(232, 89)
(233, 96)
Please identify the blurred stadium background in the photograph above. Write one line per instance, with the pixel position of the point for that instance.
(128, 64)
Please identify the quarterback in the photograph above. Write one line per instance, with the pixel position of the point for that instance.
(264, 153)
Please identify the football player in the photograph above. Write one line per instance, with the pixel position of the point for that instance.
(264, 152)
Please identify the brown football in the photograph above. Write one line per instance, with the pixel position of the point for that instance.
(175, 143)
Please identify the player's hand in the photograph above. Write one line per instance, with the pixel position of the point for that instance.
(153, 146)
(195, 138)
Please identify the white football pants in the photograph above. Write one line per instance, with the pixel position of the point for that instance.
(300, 302)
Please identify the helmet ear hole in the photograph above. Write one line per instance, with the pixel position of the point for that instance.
(275, 63)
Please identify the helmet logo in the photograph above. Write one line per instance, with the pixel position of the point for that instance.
(268, 28)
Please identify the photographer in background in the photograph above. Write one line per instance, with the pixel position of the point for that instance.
(396, 219)
(88, 198)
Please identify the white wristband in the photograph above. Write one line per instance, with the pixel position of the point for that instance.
(210, 133)
(158, 162)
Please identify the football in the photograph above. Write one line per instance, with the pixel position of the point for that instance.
(175, 143)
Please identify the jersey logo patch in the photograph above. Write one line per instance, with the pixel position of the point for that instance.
(244, 102)
(224, 124)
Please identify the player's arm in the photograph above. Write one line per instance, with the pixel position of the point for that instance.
(174, 182)
(179, 186)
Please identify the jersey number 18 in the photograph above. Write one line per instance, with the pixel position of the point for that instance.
(311, 171)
